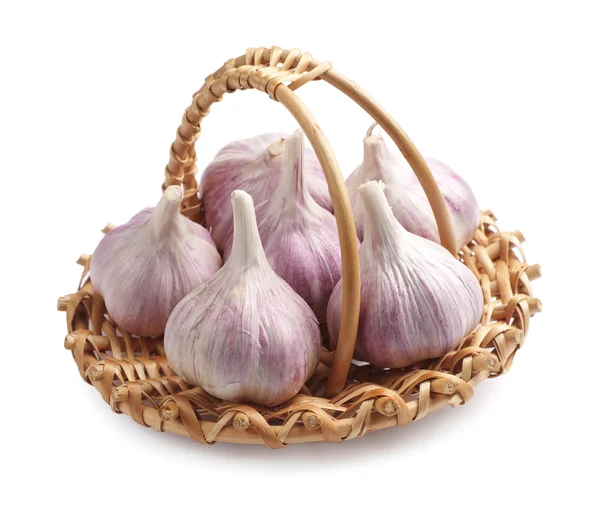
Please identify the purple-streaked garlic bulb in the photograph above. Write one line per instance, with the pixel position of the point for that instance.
(254, 165)
(244, 335)
(416, 300)
(300, 238)
(144, 267)
(406, 196)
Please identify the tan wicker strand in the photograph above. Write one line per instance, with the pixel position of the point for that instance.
(134, 377)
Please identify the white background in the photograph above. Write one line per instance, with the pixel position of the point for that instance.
(506, 93)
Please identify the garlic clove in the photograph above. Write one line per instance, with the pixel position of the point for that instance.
(406, 196)
(146, 266)
(417, 300)
(244, 335)
(299, 237)
(253, 165)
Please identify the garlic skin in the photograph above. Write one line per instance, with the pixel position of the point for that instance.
(416, 300)
(244, 335)
(406, 196)
(144, 267)
(300, 238)
(253, 165)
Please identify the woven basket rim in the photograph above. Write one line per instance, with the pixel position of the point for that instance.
(133, 375)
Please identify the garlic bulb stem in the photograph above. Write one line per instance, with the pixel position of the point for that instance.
(247, 249)
(294, 189)
(375, 157)
(165, 219)
(381, 227)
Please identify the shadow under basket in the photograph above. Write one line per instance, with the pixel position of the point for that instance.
(133, 374)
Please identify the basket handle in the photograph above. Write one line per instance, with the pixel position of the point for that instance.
(279, 72)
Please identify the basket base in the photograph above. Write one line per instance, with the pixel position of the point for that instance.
(134, 377)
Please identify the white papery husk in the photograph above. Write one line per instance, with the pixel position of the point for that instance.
(144, 267)
(299, 237)
(244, 335)
(417, 300)
(254, 165)
(405, 194)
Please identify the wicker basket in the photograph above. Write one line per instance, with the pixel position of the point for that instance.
(133, 376)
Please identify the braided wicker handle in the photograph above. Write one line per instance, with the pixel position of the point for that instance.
(279, 72)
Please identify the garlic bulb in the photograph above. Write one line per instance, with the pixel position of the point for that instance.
(146, 266)
(255, 166)
(406, 196)
(244, 335)
(417, 300)
(299, 237)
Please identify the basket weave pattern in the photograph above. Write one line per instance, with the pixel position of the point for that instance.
(134, 377)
